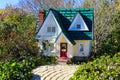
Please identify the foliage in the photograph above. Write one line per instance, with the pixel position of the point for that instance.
(17, 35)
(13, 70)
(103, 68)
(104, 19)
(21, 70)
(33, 6)
(18, 46)
(111, 44)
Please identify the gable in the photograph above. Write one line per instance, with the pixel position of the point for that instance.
(78, 24)
(50, 21)
(63, 38)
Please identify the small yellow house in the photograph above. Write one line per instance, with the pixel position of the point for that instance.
(66, 33)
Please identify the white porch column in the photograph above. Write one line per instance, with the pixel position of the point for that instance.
(70, 48)
(40, 45)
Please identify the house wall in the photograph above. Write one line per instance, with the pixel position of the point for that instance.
(87, 48)
(73, 49)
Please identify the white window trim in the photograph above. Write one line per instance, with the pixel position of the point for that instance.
(80, 52)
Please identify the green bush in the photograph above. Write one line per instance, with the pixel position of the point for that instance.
(21, 70)
(12, 70)
(103, 68)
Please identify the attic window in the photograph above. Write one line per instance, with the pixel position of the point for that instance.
(50, 29)
(78, 26)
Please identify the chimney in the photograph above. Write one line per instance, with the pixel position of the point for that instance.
(41, 16)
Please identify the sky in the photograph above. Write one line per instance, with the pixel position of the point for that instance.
(4, 3)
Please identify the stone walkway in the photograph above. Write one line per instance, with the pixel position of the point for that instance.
(54, 72)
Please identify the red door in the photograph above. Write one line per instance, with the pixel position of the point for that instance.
(63, 50)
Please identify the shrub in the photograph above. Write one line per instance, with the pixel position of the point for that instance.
(12, 70)
(21, 70)
(103, 68)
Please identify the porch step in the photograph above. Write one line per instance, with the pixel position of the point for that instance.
(63, 59)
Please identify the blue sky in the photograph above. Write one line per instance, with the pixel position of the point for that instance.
(3, 3)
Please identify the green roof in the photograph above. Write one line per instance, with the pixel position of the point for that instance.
(65, 16)
(70, 13)
(62, 26)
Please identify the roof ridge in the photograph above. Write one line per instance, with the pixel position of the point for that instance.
(68, 8)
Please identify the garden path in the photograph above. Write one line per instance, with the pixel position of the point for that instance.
(54, 72)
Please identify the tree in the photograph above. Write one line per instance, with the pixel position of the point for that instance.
(103, 20)
(34, 5)
(17, 35)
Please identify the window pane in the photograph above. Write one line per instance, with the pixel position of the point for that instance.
(64, 46)
(81, 47)
(48, 29)
(53, 29)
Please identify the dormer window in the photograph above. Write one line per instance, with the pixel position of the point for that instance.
(78, 26)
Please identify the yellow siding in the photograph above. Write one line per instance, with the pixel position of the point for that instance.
(62, 39)
(75, 47)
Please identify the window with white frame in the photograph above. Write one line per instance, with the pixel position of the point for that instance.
(81, 47)
(51, 29)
